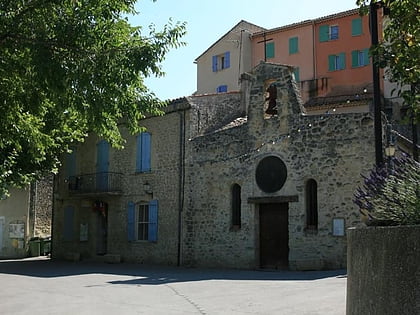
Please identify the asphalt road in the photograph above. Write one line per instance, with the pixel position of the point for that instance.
(42, 286)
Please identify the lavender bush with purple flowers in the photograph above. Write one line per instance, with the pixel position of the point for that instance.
(391, 195)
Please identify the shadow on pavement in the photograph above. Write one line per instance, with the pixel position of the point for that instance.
(152, 275)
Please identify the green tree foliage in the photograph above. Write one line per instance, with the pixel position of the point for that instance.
(67, 68)
(399, 50)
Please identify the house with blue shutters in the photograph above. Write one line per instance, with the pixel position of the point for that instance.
(220, 66)
(123, 204)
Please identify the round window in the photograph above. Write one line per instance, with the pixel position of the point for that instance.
(271, 174)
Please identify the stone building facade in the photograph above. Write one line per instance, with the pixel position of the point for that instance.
(228, 185)
(329, 150)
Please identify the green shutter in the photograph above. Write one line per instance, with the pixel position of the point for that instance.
(366, 56)
(324, 31)
(293, 45)
(356, 27)
(296, 74)
(269, 50)
(331, 63)
(354, 58)
(342, 58)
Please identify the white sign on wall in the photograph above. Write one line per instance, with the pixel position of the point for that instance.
(17, 230)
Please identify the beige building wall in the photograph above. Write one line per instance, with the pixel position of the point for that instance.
(14, 224)
(237, 42)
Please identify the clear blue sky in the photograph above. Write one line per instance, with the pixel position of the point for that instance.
(208, 20)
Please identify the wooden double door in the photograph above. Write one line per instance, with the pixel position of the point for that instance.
(274, 235)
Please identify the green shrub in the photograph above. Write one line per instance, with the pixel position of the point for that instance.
(391, 195)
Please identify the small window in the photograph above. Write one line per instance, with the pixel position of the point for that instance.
(143, 154)
(236, 206)
(328, 32)
(221, 62)
(359, 58)
(334, 32)
(269, 50)
(311, 205)
(221, 89)
(142, 221)
(356, 27)
(337, 62)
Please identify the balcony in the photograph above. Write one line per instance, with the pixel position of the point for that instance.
(97, 183)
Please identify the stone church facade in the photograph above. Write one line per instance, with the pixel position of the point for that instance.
(230, 185)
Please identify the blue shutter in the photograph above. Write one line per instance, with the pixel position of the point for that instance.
(68, 223)
(221, 89)
(214, 63)
(153, 220)
(143, 154)
(145, 151)
(138, 153)
(324, 31)
(355, 58)
(131, 219)
(331, 63)
(227, 60)
(102, 163)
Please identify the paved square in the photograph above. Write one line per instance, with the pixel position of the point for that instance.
(43, 286)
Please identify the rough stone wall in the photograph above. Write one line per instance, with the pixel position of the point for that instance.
(209, 112)
(332, 149)
(43, 197)
(164, 182)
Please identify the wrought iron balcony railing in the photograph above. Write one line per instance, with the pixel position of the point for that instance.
(105, 182)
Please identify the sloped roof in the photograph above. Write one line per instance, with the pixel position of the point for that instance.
(228, 32)
(308, 22)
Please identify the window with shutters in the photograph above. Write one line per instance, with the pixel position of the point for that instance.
(269, 50)
(311, 204)
(328, 32)
(221, 89)
(360, 58)
(356, 27)
(221, 62)
(142, 221)
(337, 62)
(236, 206)
(293, 45)
(143, 154)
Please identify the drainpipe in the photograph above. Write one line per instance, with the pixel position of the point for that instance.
(181, 183)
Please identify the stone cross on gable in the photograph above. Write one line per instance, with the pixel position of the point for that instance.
(265, 40)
